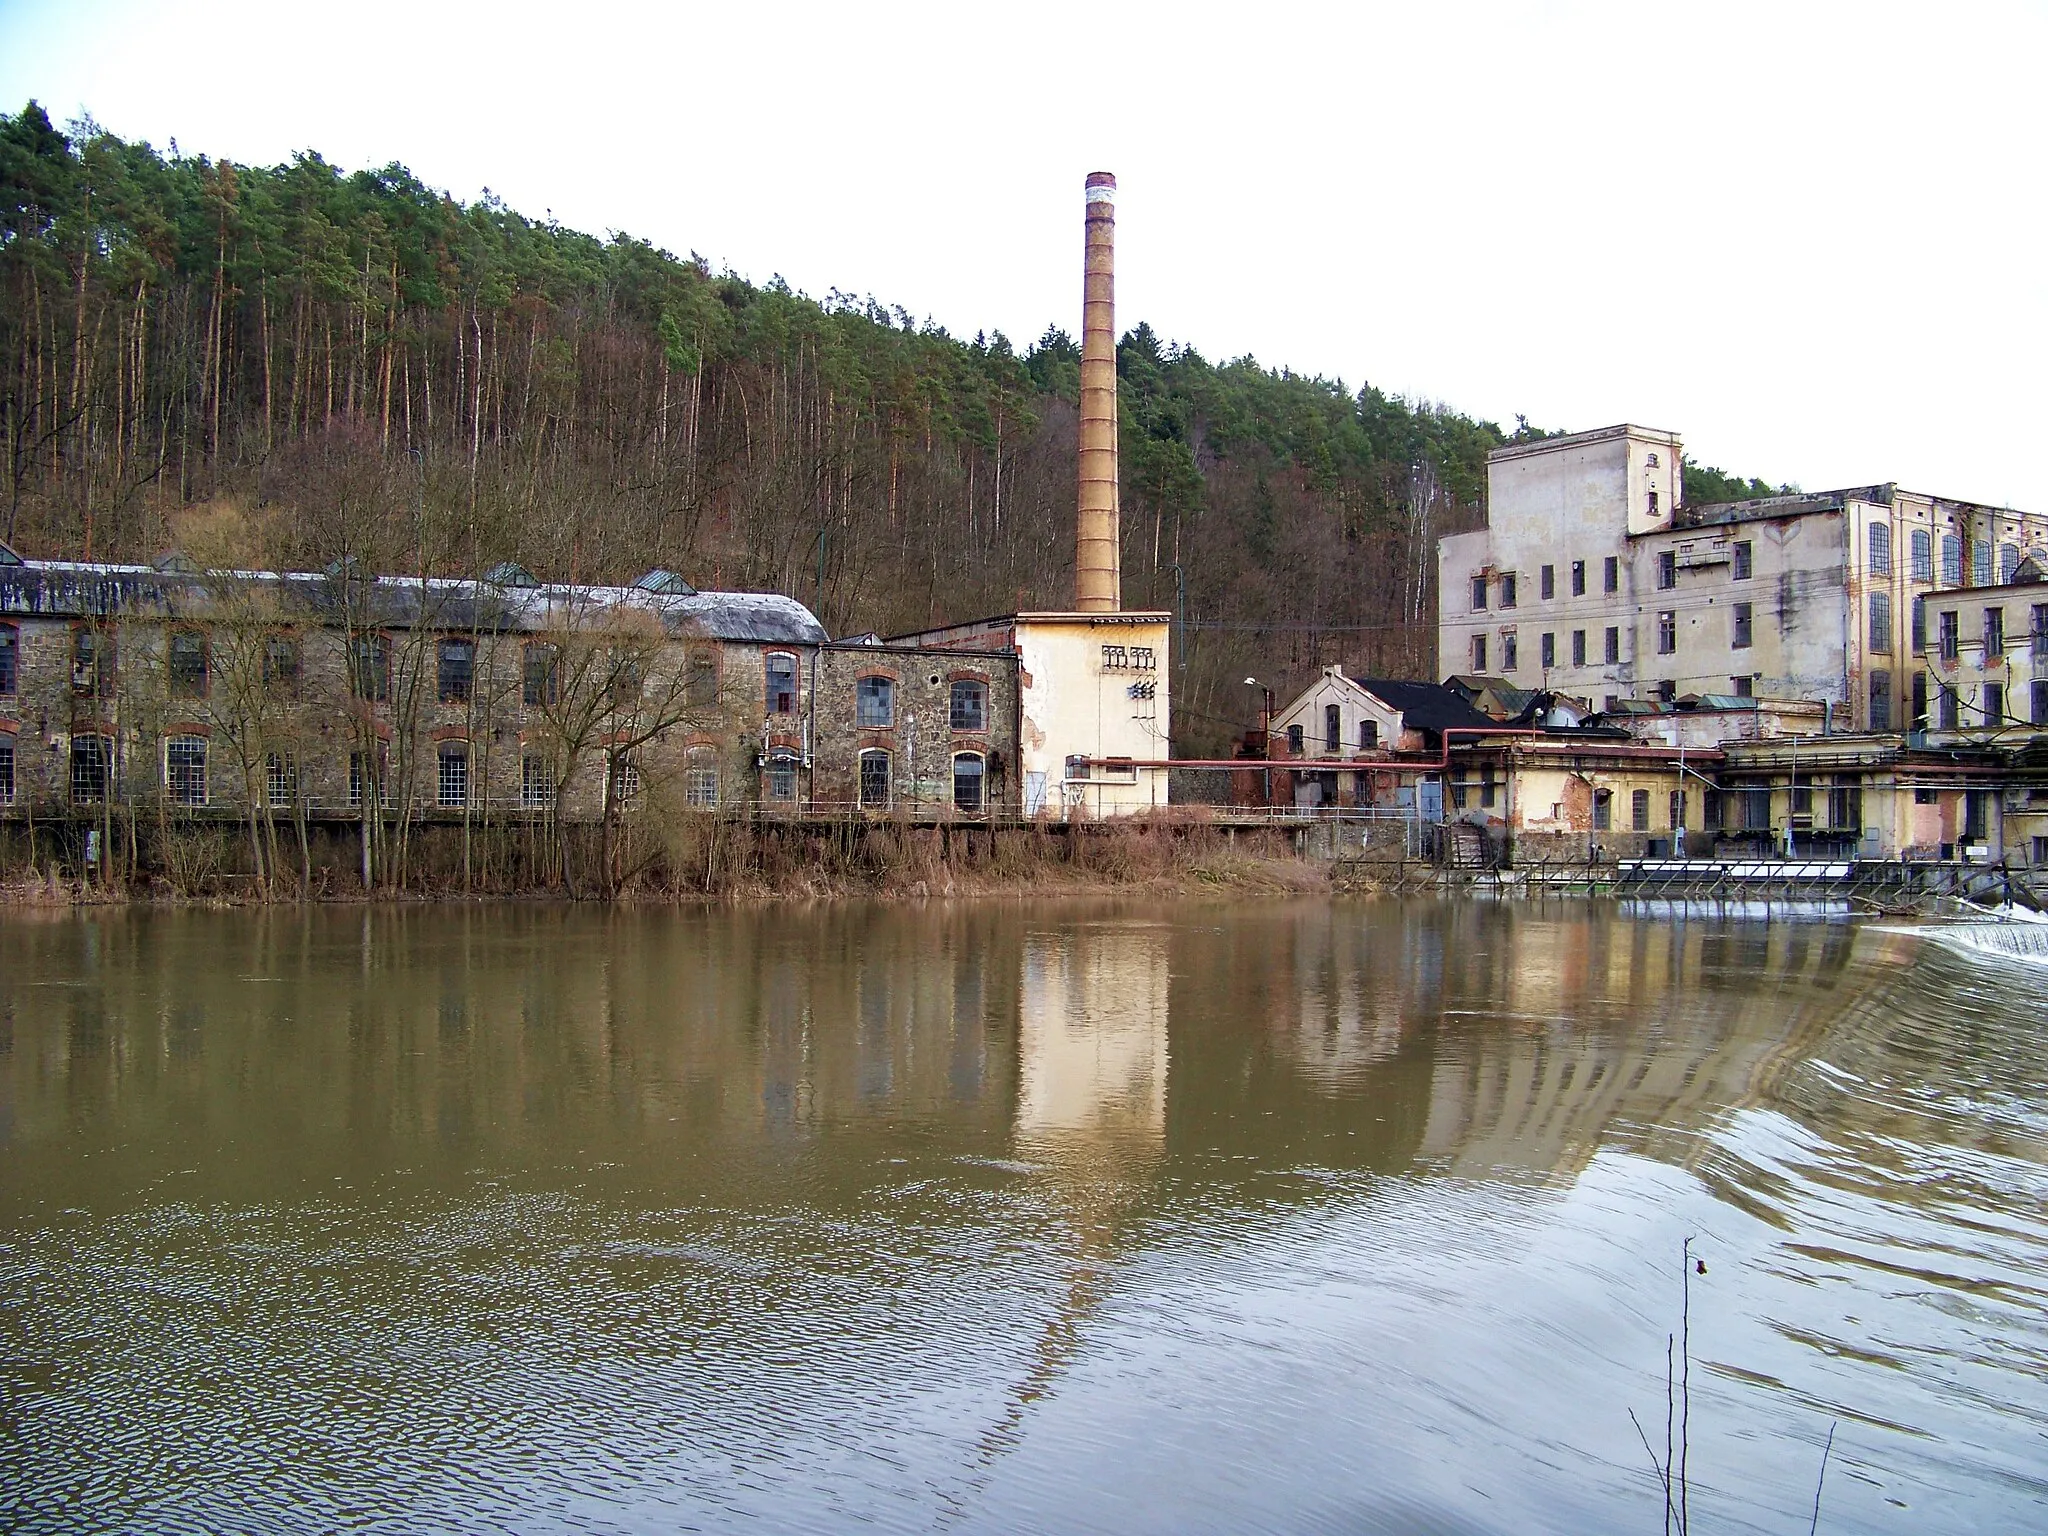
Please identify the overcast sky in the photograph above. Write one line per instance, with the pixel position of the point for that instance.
(1808, 238)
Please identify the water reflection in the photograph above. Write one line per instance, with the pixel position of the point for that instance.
(969, 1215)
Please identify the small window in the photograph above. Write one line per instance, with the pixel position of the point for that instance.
(1578, 578)
(92, 759)
(2040, 690)
(1744, 626)
(452, 778)
(188, 664)
(1368, 735)
(1667, 632)
(1743, 686)
(969, 706)
(1994, 634)
(781, 674)
(6, 770)
(1919, 626)
(1613, 646)
(1881, 623)
(281, 663)
(967, 782)
(874, 703)
(1508, 651)
(1333, 728)
(1547, 582)
(874, 780)
(541, 676)
(1478, 594)
(700, 778)
(700, 682)
(782, 776)
(1078, 767)
(185, 770)
(1547, 648)
(1578, 647)
(1880, 549)
(1639, 810)
(454, 670)
(1667, 569)
(1916, 719)
(1951, 629)
(1603, 810)
(1677, 810)
(1880, 701)
(1507, 590)
(1610, 574)
(280, 780)
(1479, 653)
(10, 660)
(1922, 545)
(1926, 795)
(536, 781)
(1294, 741)
(1653, 501)
(1745, 559)
(1994, 705)
(92, 663)
(370, 668)
(1651, 460)
(1951, 709)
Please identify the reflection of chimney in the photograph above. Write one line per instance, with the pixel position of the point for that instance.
(1098, 584)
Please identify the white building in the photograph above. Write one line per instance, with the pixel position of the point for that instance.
(1594, 577)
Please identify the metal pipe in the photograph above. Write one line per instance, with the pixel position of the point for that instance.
(1098, 585)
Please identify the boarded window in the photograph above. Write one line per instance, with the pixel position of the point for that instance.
(185, 770)
(969, 706)
(874, 702)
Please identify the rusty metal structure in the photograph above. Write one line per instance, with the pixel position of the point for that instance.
(1098, 580)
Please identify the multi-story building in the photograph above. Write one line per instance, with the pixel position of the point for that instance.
(1980, 655)
(1595, 578)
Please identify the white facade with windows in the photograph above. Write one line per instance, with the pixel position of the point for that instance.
(1595, 578)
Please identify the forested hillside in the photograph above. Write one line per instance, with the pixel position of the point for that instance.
(310, 363)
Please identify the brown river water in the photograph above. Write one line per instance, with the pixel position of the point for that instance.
(1318, 1217)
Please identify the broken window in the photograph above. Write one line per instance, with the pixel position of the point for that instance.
(1917, 719)
(1509, 651)
(1745, 626)
(1743, 687)
(1880, 701)
(1333, 728)
(1507, 590)
(92, 663)
(874, 703)
(455, 670)
(2008, 561)
(10, 659)
(281, 663)
(92, 759)
(1479, 653)
(1653, 501)
(1294, 739)
(1368, 735)
(369, 672)
(188, 664)
(1077, 767)
(626, 784)
(782, 768)
(970, 705)
(781, 672)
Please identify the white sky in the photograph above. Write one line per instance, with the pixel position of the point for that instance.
(1809, 238)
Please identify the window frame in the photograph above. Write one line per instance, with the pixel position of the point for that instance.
(884, 760)
(960, 690)
(540, 674)
(369, 666)
(980, 778)
(453, 751)
(10, 660)
(703, 782)
(192, 679)
(279, 676)
(1742, 554)
(1742, 627)
(185, 783)
(868, 687)
(771, 664)
(454, 669)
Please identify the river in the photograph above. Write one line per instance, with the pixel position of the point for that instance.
(1301, 1217)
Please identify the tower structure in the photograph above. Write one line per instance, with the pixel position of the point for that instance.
(1098, 582)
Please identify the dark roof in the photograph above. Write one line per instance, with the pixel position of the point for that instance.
(1427, 706)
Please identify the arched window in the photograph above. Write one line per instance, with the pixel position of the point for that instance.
(781, 671)
(1333, 727)
(1923, 555)
(185, 769)
(1951, 560)
(968, 776)
(874, 779)
(1294, 738)
(1880, 549)
(781, 777)
(970, 705)
(2008, 561)
(700, 778)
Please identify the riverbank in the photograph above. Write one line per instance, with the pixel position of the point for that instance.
(691, 861)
